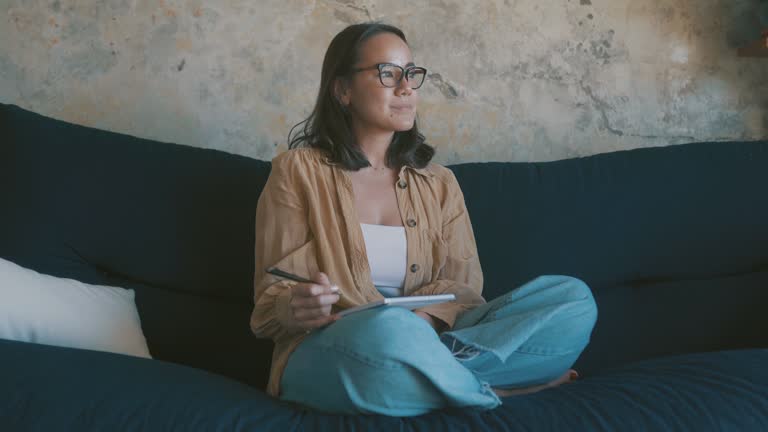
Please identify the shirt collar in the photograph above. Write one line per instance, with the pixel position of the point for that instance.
(424, 172)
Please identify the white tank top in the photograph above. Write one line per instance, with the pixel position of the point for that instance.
(387, 251)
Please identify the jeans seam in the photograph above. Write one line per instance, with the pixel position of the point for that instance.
(369, 361)
(544, 352)
(532, 349)
(473, 346)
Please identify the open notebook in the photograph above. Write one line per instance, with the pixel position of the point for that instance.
(409, 302)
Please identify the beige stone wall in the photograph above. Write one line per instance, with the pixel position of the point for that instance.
(513, 80)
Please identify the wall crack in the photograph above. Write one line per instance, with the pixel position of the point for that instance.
(601, 106)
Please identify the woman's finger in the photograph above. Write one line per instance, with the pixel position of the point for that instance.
(306, 290)
(307, 314)
(315, 301)
(321, 279)
(311, 290)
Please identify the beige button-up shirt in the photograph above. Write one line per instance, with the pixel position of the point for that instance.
(306, 222)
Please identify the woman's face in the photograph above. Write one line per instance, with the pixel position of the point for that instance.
(375, 108)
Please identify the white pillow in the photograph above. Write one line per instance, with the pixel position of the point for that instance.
(64, 312)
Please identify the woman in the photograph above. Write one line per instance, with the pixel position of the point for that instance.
(357, 206)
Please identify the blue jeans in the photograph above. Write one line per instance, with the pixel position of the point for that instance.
(390, 361)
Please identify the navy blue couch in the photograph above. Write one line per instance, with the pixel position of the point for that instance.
(673, 242)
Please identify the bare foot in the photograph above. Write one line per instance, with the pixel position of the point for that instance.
(568, 376)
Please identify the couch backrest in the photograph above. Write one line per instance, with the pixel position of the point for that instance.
(673, 240)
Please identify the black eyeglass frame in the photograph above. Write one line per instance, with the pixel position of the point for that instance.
(404, 73)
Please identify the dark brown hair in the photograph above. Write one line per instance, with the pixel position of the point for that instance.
(329, 126)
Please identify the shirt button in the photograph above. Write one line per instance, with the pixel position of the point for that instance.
(414, 268)
(402, 184)
(411, 222)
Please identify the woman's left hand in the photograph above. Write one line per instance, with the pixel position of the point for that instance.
(436, 324)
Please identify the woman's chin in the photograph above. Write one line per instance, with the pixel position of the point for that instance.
(403, 126)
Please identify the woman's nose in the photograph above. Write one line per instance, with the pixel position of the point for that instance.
(403, 87)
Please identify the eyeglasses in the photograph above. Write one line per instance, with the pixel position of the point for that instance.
(390, 74)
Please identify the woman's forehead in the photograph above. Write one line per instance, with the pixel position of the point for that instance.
(385, 48)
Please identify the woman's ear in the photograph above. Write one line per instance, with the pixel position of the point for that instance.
(341, 91)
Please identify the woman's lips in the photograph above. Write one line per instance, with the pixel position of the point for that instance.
(402, 108)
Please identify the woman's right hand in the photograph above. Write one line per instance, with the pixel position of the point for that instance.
(311, 302)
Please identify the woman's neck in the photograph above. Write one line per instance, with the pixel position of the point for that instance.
(375, 146)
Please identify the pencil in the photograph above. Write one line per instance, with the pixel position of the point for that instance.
(284, 274)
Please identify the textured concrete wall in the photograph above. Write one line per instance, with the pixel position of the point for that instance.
(509, 80)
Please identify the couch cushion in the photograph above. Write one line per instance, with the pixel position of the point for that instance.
(64, 312)
(177, 217)
(643, 320)
(51, 388)
(173, 222)
(683, 212)
(720, 391)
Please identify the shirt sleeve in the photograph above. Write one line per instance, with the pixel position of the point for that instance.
(283, 240)
(461, 274)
